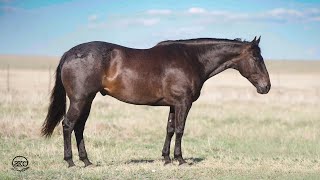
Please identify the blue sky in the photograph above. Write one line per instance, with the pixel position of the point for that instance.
(289, 29)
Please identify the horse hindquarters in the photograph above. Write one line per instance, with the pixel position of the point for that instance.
(81, 78)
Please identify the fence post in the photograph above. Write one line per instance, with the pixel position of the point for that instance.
(279, 83)
(8, 78)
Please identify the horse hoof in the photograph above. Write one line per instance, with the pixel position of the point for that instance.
(167, 160)
(86, 162)
(182, 162)
(71, 165)
(89, 165)
(166, 163)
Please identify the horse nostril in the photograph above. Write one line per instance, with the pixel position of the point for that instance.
(268, 87)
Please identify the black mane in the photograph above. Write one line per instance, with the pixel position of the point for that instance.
(202, 41)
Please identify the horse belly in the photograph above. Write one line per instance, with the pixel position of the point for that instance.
(135, 91)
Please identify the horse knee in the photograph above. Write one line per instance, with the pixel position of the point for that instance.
(170, 130)
(170, 127)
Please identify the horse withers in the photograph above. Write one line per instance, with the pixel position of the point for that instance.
(171, 73)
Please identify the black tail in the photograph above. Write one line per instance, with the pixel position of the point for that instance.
(57, 108)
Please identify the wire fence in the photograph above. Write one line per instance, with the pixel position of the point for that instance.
(227, 86)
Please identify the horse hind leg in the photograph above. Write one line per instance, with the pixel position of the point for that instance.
(78, 130)
(81, 78)
(74, 113)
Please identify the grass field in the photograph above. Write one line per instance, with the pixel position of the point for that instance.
(231, 132)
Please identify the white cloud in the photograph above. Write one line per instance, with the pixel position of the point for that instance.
(188, 30)
(98, 25)
(315, 18)
(312, 51)
(276, 15)
(137, 21)
(124, 23)
(313, 11)
(180, 32)
(93, 17)
(291, 15)
(230, 15)
(217, 16)
(147, 22)
(159, 12)
(196, 10)
(282, 12)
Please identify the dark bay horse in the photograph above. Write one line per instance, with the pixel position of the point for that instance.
(171, 73)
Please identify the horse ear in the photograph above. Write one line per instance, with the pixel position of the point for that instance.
(258, 40)
(254, 40)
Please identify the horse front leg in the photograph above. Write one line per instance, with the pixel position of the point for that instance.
(170, 132)
(181, 113)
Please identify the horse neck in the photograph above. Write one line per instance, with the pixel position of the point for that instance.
(217, 57)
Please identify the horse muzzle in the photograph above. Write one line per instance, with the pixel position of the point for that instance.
(264, 89)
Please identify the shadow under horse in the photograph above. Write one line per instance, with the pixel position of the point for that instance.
(171, 73)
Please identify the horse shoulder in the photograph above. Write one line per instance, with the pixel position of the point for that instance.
(112, 69)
